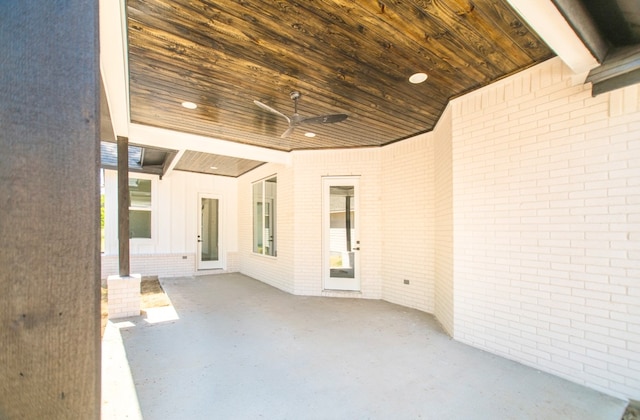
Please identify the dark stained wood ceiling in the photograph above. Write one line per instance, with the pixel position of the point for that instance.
(208, 163)
(344, 56)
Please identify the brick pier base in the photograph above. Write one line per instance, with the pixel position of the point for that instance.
(123, 296)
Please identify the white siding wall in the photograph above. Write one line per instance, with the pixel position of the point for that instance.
(174, 224)
(546, 203)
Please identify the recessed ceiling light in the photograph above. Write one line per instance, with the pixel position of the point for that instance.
(213, 167)
(189, 105)
(309, 134)
(418, 78)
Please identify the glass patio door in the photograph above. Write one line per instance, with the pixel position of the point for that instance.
(341, 246)
(209, 252)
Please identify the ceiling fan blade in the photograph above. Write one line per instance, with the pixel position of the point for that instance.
(268, 108)
(332, 118)
(288, 132)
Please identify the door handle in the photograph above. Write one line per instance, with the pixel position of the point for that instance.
(356, 249)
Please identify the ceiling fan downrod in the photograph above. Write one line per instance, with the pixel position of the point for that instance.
(295, 95)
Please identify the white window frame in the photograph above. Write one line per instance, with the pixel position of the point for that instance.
(273, 214)
(153, 209)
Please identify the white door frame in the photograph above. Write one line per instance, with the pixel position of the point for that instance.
(340, 283)
(210, 265)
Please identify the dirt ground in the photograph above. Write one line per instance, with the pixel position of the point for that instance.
(151, 296)
(633, 411)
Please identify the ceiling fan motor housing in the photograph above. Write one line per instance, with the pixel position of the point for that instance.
(296, 119)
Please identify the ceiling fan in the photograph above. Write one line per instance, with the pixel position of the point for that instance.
(296, 119)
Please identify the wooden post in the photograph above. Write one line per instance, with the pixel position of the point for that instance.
(49, 210)
(123, 206)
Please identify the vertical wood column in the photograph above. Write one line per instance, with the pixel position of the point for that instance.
(49, 210)
(123, 206)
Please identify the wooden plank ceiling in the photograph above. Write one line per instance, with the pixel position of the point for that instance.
(207, 163)
(344, 56)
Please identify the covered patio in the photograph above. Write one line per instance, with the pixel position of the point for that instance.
(234, 347)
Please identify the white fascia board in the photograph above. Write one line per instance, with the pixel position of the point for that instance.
(547, 21)
(113, 63)
(159, 137)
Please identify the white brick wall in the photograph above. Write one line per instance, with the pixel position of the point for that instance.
(443, 226)
(515, 222)
(276, 271)
(298, 266)
(123, 297)
(546, 197)
(162, 265)
(408, 222)
(309, 168)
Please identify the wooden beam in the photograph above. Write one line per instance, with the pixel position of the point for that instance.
(618, 82)
(123, 206)
(621, 68)
(49, 210)
(546, 20)
(582, 23)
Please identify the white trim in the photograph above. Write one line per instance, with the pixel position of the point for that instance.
(334, 283)
(114, 64)
(273, 215)
(160, 137)
(155, 210)
(174, 162)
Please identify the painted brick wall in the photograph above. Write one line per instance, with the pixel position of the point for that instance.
(546, 201)
(309, 168)
(162, 265)
(396, 216)
(276, 271)
(407, 223)
(443, 226)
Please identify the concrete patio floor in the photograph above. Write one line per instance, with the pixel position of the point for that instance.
(236, 348)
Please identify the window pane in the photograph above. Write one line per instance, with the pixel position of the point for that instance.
(140, 208)
(139, 224)
(140, 192)
(257, 217)
(264, 217)
(341, 231)
(209, 230)
(270, 217)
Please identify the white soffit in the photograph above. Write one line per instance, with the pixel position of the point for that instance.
(113, 63)
(544, 18)
(145, 135)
